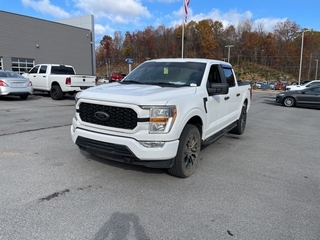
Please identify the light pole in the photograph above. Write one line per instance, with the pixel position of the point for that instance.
(229, 46)
(316, 69)
(302, 38)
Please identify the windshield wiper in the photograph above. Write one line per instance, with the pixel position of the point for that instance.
(162, 84)
(130, 82)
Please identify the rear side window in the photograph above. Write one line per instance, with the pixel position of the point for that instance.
(229, 76)
(62, 70)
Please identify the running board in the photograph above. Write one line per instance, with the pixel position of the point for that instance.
(219, 134)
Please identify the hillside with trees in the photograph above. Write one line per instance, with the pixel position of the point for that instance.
(254, 53)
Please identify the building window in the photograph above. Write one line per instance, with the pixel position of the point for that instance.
(22, 65)
(1, 68)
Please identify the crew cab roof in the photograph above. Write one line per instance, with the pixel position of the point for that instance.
(200, 60)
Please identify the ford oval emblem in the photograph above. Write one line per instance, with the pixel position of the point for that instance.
(102, 116)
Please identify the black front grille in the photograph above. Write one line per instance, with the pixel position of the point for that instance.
(118, 117)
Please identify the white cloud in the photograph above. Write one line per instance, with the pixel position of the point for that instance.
(233, 17)
(269, 23)
(45, 7)
(103, 30)
(229, 18)
(121, 11)
(169, 1)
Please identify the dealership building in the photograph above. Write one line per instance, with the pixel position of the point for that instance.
(26, 41)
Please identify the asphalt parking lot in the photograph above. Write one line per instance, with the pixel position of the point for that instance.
(263, 184)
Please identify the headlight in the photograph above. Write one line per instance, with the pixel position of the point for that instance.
(161, 118)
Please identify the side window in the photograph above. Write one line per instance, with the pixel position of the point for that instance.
(229, 76)
(34, 70)
(43, 69)
(214, 75)
(314, 84)
(316, 90)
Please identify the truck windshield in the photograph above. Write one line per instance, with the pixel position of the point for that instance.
(174, 74)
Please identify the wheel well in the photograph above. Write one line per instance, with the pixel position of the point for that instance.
(246, 102)
(196, 120)
(55, 84)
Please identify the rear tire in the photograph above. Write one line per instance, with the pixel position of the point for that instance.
(289, 102)
(241, 122)
(56, 92)
(188, 154)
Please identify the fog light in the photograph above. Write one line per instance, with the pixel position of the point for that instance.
(152, 144)
(73, 129)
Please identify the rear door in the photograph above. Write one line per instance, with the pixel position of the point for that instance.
(217, 105)
(310, 96)
(234, 97)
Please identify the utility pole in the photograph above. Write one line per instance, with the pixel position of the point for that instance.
(302, 38)
(229, 46)
(316, 78)
(309, 66)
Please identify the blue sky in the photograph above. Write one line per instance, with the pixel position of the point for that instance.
(134, 15)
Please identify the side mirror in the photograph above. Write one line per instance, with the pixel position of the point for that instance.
(218, 88)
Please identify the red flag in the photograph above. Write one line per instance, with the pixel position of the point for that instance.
(186, 4)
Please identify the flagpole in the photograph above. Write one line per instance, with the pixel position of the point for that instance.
(182, 39)
(185, 16)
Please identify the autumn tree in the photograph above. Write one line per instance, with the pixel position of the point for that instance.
(207, 39)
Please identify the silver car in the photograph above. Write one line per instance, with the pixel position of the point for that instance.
(12, 83)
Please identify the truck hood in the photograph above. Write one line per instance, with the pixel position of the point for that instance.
(136, 94)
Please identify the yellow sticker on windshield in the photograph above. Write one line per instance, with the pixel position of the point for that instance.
(165, 70)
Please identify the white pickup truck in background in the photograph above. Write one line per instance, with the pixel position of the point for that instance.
(57, 79)
(162, 113)
(303, 86)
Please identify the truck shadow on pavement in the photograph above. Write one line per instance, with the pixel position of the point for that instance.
(123, 165)
(39, 95)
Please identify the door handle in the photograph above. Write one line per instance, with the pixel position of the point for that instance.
(226, 98)
(238, 94)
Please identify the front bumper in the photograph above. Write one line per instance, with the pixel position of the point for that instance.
(279, 99)
(124, 149)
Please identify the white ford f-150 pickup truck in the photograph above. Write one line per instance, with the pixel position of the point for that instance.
(57, 79)
(161, 113)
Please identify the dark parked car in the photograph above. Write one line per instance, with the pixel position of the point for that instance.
(309, 97)
(12, 83)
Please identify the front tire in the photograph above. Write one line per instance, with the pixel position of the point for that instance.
(56, 92)
(241, 122)
(289, 102)
(188, 154)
